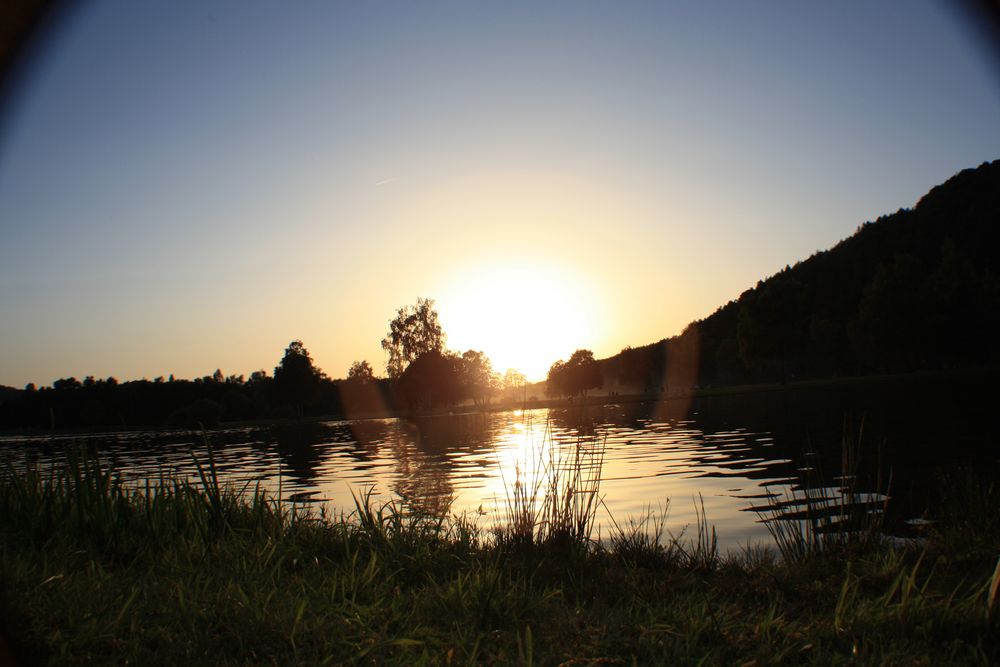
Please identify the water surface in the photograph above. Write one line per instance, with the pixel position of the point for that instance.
(470, 463)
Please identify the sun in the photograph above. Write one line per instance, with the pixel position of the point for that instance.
(523, 314)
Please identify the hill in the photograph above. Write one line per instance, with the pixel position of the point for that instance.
(915, 290)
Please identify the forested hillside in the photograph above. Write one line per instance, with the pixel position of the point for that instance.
(914, 290)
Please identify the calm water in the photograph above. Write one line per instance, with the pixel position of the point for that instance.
(734, 453)
(469, 463)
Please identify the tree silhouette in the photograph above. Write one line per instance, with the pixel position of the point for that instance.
(575, 376)
(634, 368)
(296, 378)
(360, 393)
(66, 384)
(479, 380)
(513, 384)
(434, 379)
(773, 323)
(413, 332)
(361, 371)
(887, 331)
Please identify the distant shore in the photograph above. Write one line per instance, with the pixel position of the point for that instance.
(592, 400)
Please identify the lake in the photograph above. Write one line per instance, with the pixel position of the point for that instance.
(731, 455)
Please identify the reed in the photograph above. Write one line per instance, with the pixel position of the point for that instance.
(554, 498)
(813, 516)
(640, 541)
(702, 552)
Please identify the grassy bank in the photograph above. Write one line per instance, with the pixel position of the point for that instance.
(93, 572)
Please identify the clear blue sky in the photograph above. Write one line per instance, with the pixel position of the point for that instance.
(191, 185)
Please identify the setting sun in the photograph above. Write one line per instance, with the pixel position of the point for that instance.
(523, 314)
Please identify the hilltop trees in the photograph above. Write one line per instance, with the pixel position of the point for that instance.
(918, 289)
(886, 333)
(772, 322)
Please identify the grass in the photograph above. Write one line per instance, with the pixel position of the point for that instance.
(812, 516)
(553, 501)
(95, 572)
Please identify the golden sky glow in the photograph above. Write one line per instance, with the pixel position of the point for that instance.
(522, 313)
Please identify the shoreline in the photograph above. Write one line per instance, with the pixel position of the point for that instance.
(594, 400)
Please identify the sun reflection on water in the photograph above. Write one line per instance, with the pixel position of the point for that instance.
(474, 464)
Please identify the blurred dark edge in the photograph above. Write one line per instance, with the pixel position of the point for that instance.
(27, 29)
(983, 19)
(24, 26)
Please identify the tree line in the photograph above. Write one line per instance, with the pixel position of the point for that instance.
(915, 290)
(422, 375)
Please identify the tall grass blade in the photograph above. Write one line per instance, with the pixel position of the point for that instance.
(991, 599)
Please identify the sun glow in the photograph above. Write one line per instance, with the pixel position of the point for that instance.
(522, 314)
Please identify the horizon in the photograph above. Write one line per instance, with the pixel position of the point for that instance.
(266, 369)
(185, 189)
(530, 382)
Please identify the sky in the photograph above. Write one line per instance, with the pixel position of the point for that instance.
(188, 186)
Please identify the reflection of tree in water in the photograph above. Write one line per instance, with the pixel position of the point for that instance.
(423, 480)
(466, 432)
(369, 435)
(586, 419)
(302, 447)
(420, 449)
(582, 420)
(299, 450)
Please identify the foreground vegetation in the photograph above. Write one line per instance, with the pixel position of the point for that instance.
(94, 572)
